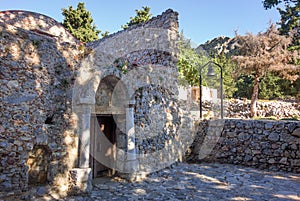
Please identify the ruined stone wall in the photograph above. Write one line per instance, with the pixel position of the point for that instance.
(168, 20)
(273, 145)
(37, 140)
(39, 67)
(146, 54)
(38, 23)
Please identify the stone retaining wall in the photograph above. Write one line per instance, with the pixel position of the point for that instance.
(273, 145)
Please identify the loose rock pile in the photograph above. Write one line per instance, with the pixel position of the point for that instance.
(240, 109)
(236, 108)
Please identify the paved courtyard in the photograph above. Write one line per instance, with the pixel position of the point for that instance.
(202, 182)
(195, 182)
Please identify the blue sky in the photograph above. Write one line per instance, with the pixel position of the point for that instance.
(200, 20)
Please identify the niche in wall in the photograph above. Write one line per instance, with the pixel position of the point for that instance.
(38, 162)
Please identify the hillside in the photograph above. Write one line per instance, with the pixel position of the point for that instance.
(218, 45)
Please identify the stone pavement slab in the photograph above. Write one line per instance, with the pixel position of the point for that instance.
(201, 182)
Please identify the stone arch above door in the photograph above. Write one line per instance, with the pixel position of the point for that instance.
(88, 81)
(105, 90)
(108, 99)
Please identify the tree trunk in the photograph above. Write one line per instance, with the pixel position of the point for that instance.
(253, 109)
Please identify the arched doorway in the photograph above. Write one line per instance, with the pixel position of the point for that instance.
(105, 135)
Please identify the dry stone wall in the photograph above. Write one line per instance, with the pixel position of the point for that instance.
(168, 20)
(236, 108)
(273, 145)
(240, 109)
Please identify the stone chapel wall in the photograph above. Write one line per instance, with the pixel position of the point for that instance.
(39, 64)
(37, 23)
(146, 49)
(37, 73)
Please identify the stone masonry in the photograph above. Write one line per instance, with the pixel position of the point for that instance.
(49, 91)
(36, 122)
(273, 145)
(51, 86)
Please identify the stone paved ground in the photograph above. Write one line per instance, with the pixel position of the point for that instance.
(202, 182)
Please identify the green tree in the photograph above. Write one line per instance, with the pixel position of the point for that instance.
(290, 22)
(281, 88)
(289, 88)
(271, 3)
(270, 81)
(228, 75)
(142, 15)
(189, 63)
(265, 52)
(290, 18)
(79, 22)
(244, 85)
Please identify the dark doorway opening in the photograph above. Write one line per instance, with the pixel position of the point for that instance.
(102, 124)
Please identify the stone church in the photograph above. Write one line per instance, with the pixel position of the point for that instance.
(72, 112)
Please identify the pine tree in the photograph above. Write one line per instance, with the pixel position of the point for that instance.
(290, 18)
(189, 62)
(228, 77)
(290, 22)
(80, 23)
(142, 15)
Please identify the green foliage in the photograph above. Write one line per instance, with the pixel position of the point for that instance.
(80, 23)
(270, 81)
(191, 60)
(228, 75)
(281, 88)
(122, 64)
(106, 33)
(244, 85)
(189, 63)
(290, 18)
(271, 3)
(265, 118)
(294, 118)
(290, 89)
(36, 43)
(142, 15)
(271, 86)
(290, 21)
